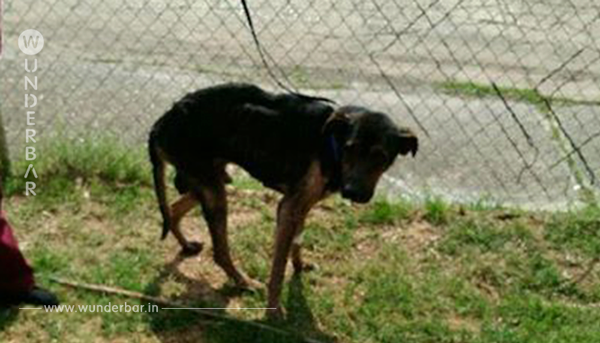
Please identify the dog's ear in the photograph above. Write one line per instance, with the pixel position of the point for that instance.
(406, 141)
(338, 125)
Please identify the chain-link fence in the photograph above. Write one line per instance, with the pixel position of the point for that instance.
(504, 94)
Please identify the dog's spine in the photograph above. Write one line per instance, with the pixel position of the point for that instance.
(158, 173)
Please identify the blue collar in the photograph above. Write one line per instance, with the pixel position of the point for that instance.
(335, 150)
(335, 163)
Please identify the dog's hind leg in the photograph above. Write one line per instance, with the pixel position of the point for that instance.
(213, 198)
(178, 209)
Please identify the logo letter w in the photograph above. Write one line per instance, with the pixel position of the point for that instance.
(29, 41)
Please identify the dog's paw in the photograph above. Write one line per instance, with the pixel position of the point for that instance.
(246, 285)
(191, 249)
(250, 285)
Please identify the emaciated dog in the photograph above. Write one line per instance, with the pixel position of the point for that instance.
(297, 145)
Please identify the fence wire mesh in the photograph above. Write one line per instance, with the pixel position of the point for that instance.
(504, 94)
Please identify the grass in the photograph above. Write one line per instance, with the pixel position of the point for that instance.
(391, 271)
(300, 76)
(385, 212)
(527, 95)
(437, 211)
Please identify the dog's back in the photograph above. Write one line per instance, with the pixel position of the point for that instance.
(272, 136)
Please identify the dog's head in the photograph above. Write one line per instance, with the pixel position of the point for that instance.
(368, 143)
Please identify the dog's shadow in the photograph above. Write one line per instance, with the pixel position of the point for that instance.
(299, 324)
(183, 325)
(8, 315)
(189, 326)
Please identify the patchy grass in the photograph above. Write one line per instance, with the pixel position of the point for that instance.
(62, 161)
(528, 95)
(387, 272)
(385, 212)
(437, 211)
(576, 232)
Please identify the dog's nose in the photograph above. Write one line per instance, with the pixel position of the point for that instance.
(349, 192)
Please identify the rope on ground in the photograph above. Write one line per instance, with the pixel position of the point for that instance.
(169, 303)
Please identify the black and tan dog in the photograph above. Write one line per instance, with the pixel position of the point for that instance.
(297, 145)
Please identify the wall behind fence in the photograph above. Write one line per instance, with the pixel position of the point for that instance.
(110, 68)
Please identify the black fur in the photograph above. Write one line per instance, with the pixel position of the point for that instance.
(272, 136)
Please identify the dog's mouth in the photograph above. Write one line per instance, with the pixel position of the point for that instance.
(357, 197)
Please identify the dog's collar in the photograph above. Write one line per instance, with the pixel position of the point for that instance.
(335, 158)
(335, 150)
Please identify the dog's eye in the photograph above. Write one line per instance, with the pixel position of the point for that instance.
(378, 155)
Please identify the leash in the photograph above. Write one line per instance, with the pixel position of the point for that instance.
(260, 49)
(261, 53)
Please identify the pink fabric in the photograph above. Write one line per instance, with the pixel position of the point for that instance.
(16, 275)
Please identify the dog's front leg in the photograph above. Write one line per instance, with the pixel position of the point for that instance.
(290, 218)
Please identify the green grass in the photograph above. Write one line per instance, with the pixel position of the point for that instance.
(384, 212)
(576, 232)
(477, 90)
(527, 95)
(437, 211)
(390, 271)
(480, 233)
(62, 161)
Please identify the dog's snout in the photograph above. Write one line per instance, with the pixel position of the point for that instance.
(355, 194)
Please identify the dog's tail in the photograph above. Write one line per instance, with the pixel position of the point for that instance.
(158, 173)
